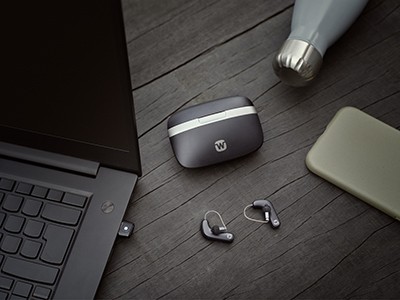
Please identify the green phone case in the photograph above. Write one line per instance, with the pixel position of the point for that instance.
(361, 155)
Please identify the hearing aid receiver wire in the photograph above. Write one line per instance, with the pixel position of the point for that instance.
(214, 211)
(251, 219)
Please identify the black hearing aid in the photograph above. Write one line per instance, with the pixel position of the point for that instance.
(270, 215)
(215, 232)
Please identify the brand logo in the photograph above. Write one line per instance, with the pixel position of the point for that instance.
(220, 145)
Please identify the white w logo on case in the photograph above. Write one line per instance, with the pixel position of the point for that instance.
(220, 145)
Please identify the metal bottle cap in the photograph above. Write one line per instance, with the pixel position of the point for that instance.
(297, 62)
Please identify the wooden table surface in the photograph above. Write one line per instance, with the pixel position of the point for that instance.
(330, 244)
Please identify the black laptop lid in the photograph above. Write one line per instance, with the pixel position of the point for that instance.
(67, 85)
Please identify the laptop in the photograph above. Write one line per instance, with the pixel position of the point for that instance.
(69, 156)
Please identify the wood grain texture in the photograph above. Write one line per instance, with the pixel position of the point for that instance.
(330, 244)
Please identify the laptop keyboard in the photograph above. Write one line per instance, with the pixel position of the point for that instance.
(38, 226)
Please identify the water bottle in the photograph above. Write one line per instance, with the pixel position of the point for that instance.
(316, 25)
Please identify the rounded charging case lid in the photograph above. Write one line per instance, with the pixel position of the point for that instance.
(215, 131)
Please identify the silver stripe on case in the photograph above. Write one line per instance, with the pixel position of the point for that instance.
(209, 119)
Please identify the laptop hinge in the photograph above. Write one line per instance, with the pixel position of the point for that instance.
(49, 159)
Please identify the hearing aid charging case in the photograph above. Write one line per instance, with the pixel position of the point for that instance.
(215, 131)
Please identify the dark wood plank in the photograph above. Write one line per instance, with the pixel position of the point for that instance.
(189, 29)
(330, 244)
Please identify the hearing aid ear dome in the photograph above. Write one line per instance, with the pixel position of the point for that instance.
(218, 229)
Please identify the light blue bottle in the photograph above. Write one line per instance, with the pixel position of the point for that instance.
(316, 25)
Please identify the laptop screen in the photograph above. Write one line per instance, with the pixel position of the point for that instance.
(67, 81)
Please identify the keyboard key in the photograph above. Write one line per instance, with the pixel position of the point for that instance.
(14, 224)
(75, 200)
(3, 296)
(6, 283)
(1, 197)
(31, 207)
(60, 214)
(55, 195)
(15, 297)
(33, 228)
(6, 184)
(2, 217)
(30, 270)
(57, 242)
(30, 249)
(12, 203)
(22, 289)
(42, 293)
(39, 191)
(24, 188)
(11, 244)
